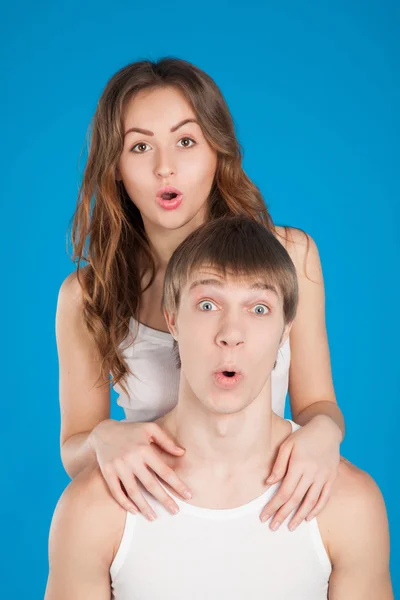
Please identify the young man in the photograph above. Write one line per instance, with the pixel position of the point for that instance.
(230, 296)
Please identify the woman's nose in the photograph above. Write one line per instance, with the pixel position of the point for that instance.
(164, 167)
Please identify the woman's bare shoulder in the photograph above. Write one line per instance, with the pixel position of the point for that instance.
(71, 289)
(301, 248)
(291, 235)
(70, 321)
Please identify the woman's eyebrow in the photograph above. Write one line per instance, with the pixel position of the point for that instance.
(182, 123)
(148, 132)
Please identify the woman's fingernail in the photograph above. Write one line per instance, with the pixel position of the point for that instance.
(275, 526)
(187, 494)
(173, 508)
(151, 516)
(271, 478)
(293, 526)
(264, 518)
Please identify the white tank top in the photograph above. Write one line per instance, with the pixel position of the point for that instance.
(213, 554)
(153, 387)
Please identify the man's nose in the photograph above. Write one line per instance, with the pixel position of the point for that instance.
(230, 334)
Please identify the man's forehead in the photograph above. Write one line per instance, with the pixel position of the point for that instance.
(213, 277)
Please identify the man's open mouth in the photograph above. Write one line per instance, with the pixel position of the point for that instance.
(229, 373)
(227, 379)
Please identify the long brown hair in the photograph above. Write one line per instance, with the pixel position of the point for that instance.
(107, 229)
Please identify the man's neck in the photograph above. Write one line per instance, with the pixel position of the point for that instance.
(225, 442)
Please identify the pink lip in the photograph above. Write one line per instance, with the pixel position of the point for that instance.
(226, 383)
(169, 204)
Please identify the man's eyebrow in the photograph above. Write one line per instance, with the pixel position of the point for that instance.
(216, 282)
(148, 132)
(258, 285)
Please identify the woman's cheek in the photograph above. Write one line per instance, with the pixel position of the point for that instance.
(138, 187)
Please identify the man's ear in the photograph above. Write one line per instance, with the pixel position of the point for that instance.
(285, 333)
(171, 322)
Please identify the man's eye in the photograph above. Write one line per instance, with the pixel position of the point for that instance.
(206, 305)
(140, 148)
(260, 309)
(187, 142)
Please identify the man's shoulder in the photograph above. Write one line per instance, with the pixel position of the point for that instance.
(89, 516)
(356, 490)
(355, 511)
(354, 484)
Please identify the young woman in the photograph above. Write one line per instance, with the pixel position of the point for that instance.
(163, 160)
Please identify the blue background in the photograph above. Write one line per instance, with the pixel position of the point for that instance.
(314, 91)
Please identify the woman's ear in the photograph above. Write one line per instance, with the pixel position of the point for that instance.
(171, 323)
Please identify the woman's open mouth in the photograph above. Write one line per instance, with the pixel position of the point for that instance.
(169, 197)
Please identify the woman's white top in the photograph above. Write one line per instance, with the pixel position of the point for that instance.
(154, 380)
(219, 554)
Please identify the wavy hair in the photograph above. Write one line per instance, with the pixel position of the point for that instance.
(108, 236)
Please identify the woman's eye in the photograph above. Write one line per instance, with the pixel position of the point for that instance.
(206, 305)
(186, 142)
(260, 309)
(140, 148)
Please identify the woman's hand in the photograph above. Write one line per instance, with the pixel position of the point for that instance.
(308, 462)
(126, 455)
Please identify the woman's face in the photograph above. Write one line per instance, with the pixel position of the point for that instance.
(164, 146)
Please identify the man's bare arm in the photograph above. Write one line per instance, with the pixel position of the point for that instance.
(359, 544)
(85, 533)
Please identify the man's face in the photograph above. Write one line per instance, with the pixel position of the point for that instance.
(229, 331)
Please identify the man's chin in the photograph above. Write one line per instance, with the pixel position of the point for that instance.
(226, 404)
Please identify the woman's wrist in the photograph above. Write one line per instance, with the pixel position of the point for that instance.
(330, 424)
(96, 432)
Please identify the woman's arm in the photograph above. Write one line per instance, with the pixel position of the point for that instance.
(308, 459)
(311, 388)
(84, 401)
(125, 452)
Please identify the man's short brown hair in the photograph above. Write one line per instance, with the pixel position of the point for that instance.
(238, 246)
